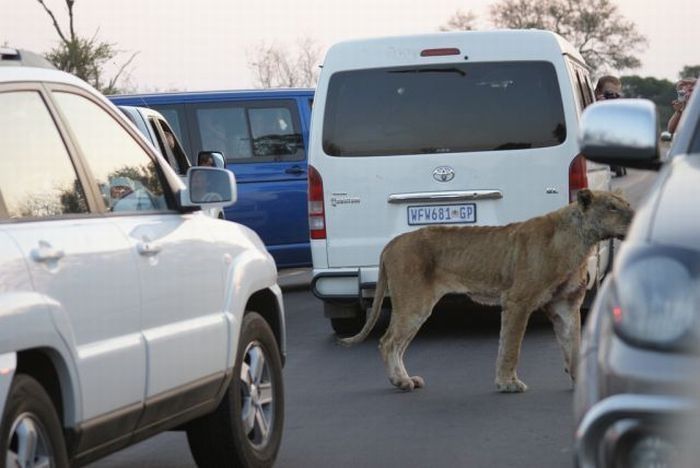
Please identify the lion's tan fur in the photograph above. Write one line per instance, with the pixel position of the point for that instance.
(540, 263)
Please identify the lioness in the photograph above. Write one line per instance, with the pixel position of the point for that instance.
(535, 264)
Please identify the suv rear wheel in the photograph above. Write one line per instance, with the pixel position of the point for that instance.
(246, 429)
(30, 432)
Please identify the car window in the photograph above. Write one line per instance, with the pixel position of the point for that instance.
(125, 174)
(37, 177)
(447, 108)
(169, 145)
(176, 119)
(250, 132)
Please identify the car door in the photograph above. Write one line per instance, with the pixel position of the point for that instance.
(79, 261)
(263, 145)
(180, 268)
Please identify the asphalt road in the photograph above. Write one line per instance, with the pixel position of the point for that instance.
(341, 410)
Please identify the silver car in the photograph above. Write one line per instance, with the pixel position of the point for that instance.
(638, 372)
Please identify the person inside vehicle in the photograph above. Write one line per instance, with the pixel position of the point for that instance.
(120, 187)
(202, 189)
(684, 88)
(206, 160)
(608, 87)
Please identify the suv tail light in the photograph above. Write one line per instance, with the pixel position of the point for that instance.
(317, 214)
(578, 178)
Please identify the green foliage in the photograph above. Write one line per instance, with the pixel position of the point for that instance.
(660, 91)
(83, 57)
(690, 71)
(605, 39)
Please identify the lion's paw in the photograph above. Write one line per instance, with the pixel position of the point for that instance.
(418, 381)
(514, 385)
(407, 385)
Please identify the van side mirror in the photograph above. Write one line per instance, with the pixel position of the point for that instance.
(211, 159)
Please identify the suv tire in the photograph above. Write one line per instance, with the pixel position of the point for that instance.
(246, 429)
(30, 432)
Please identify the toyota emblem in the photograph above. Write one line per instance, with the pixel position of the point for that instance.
(443, 174)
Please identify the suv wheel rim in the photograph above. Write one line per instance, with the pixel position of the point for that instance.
(29, 444)
(256, 395)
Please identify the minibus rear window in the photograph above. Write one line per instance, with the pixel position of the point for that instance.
(447, 108)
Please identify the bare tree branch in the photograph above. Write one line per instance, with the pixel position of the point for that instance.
(460, 21)
(602, 35)
(55, 23)
(274, 66)
(113, 82)
(83, 57)
(69, 4)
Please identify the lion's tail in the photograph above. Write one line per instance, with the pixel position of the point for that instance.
(379, 293)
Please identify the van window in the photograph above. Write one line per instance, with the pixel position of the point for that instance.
(449, 108)
(250, 132)
(175, 115)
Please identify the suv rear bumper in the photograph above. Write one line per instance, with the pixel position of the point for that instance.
(345, 284)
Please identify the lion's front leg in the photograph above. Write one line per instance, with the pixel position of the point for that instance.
(513, 324)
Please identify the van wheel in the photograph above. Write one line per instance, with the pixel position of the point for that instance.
(246, 429)
(346, 319)
(31, 433)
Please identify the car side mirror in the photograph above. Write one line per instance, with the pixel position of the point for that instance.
(209, 187)
(211, 159)
(666, 136)
(621, 132)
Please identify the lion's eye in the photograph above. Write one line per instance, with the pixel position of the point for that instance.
(612, 208)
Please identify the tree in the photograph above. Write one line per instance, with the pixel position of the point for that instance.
(605, 39)
(84, 57)
(460, 21)
(690, 71)
(274, 66)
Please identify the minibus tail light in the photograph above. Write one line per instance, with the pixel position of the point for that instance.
(578, 178)
(317, 215)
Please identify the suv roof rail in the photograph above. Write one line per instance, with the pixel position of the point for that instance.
(19, 57)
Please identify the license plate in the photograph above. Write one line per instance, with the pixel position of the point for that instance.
(442, 214)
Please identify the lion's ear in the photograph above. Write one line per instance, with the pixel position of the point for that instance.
(584, 198)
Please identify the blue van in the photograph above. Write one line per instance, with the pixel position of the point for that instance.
(263, 135)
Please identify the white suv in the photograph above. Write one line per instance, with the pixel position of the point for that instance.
(466, 127)
(124, 311)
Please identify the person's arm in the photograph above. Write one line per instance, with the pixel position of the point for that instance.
(677, 111)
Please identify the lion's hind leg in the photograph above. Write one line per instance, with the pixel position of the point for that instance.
(406, 320)
(566, 318)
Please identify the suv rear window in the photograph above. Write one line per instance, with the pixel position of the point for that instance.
(443, 109)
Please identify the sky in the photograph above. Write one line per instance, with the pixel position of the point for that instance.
(207, 44)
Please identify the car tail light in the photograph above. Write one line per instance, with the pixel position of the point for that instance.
(578, 178)
(439, 52)
(317, 215)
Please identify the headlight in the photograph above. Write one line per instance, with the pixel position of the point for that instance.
(656, 301)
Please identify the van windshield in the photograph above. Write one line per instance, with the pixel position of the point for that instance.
(448, 108)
